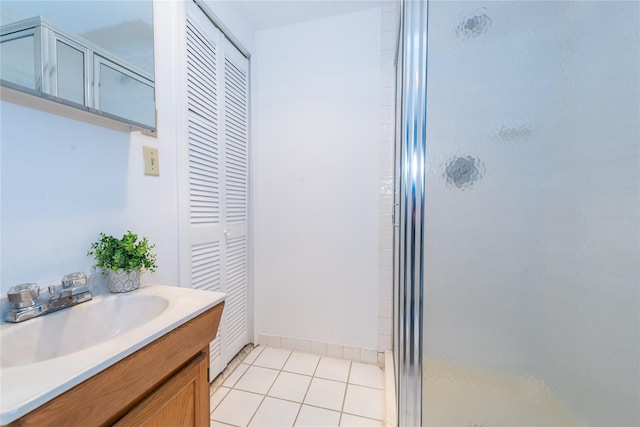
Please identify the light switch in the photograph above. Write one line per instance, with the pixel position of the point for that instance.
(151, 161)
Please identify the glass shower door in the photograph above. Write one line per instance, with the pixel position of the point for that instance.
(531, 295)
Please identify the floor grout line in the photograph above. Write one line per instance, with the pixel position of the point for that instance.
(360, 416)
(264, 397)
(306, 392)
(224, 424)
(311, 377)
(218, 404)
(344, 398)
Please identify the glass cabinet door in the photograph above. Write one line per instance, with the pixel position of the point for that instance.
(124, 93)
(18, 59)
(70, 72)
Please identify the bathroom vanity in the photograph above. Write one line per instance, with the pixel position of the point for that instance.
(154, 373)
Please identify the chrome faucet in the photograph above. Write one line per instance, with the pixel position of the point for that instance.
(24, 304)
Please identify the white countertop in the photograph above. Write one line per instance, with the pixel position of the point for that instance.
(24, 387)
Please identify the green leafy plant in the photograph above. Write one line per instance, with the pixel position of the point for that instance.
(127, 253)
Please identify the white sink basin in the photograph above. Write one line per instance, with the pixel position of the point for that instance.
(42, 358)
(70, 330)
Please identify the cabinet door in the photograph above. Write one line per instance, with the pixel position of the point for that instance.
(18, 61)
(182, 401)
(71, 70)
(122, 93)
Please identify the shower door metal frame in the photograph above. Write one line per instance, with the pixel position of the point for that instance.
(410, 199)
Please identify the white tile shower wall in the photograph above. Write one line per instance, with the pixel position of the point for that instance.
(388, 44)
(339, 351)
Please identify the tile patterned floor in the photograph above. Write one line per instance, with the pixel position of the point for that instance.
(273, 387)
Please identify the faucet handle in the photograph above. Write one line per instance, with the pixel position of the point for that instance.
(74, 279)
(23, 295)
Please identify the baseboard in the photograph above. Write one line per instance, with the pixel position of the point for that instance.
(339, 351)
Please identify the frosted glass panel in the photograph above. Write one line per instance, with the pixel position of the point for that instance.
(17, 61)
(71, 78)
(532, 233)
(124, 96)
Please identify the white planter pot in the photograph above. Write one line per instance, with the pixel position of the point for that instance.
(121, 281)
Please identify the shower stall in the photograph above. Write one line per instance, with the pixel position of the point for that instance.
(517, 294)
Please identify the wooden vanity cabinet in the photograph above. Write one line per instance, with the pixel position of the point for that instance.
(183, 400)
(163, 384)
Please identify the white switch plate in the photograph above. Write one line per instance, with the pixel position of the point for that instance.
(151, 161)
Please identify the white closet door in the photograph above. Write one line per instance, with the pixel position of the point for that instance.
(217, 104)
(205, 156)
(235, 70)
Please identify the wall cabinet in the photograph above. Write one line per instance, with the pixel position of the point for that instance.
(42, 59)
(163, 384)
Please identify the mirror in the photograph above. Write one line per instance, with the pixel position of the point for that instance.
(93, 55)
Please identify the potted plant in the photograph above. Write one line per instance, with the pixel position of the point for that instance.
(123, 259)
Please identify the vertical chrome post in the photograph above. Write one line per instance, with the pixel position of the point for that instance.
(411, 228)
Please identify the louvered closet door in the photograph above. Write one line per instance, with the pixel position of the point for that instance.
(205, 156)
(217, 93)
(235, 200)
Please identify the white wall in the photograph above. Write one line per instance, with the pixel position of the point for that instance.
(534, 268)
(316, 115)
(64, 181)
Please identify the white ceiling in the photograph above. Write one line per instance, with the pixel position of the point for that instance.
(263, 14)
